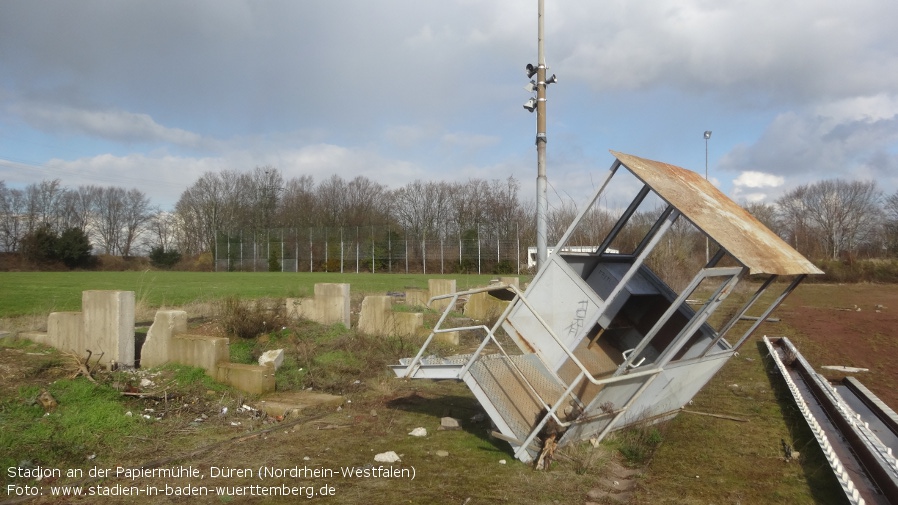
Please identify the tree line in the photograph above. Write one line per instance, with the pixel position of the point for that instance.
(826, 219)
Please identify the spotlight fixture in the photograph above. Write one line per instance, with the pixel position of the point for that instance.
(531, 69)
(530, 105)
(707, 134)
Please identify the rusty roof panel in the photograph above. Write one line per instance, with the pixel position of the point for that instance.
(727, 223)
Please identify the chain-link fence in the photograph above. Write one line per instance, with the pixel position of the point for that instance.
(372, 249)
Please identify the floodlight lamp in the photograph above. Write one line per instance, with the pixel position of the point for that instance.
(530, 86)
(552, 80)
(531, 69)
(530, 105)
(707, 134)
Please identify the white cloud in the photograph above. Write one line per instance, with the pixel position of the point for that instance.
(753, 179)
(109, 124)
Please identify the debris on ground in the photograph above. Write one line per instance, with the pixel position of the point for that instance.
(387, 457)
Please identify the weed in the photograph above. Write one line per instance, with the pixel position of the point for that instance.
(637, 443)
(249, 319)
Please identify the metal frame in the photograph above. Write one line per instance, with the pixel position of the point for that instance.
(565, 298)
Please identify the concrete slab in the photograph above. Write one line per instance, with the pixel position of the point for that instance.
(439, 287)
(295, 402)
(253, 379)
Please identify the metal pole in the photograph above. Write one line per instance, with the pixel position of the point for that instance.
(542, 205)
(707, 240)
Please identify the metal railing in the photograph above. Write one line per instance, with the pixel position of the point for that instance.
(551, 410)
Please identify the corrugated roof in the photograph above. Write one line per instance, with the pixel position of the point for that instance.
(727, 223)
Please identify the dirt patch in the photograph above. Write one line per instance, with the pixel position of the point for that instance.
(849, 325)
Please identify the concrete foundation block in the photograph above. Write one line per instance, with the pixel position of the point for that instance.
(199, 350)
(407, 324)
(65, 331)
(511, 281)
(439, 287)
(38, 337)
(377, 318)
(416, 297)
(109, 325)
(166, 325)
(448, 337)
(330, 305)
(376, 315)
(291, 403)
(484, 307)
(253, 379)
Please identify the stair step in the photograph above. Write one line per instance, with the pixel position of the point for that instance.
(512, 399)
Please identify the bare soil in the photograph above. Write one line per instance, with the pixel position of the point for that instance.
(852, 325)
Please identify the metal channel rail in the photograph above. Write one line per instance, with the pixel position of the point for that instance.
(855, 430)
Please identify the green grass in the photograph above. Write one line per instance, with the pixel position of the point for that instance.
(27, 293)
(89, 420)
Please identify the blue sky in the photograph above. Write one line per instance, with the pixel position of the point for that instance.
(152, 94)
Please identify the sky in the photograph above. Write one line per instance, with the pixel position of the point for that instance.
(153, 94)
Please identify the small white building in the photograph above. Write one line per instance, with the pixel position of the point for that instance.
(583, 249)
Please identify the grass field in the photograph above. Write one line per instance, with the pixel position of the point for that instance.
(731, 456)
(28, 293)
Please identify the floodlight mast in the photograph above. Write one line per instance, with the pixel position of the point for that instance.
(542, 205)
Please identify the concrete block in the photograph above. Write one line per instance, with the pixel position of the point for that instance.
(407, 324)
(292, 403)
(484, 307)
(109, 325)
(416, 297)
(512, 281)
(166, 324)
(439, 287)
(199, 350)
(376, 314)
(377, 318)
(330, 305)
(273, 358)
(447, 337)
(65, 331)
(38, 337)
(253, 379)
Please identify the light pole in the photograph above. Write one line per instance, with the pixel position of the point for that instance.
(707, 241)
(538, 104)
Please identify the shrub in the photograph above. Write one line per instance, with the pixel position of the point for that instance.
(73, 248)
(160, 258)
(43, 246)
(249, 319)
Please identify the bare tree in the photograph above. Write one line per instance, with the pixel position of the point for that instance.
(890, 222)
(109, 214)
(298, 205)
(842, 215)
(12, 217)
(135, 216)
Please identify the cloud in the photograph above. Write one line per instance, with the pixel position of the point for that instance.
(109, 124)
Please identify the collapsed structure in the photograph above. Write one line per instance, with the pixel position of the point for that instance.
(598, 341)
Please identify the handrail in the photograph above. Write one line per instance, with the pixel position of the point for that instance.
(551, 410)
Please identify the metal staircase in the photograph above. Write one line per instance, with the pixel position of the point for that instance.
(518, 391)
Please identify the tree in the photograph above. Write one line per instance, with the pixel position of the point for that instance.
(39, 245)
(109, 212)
(12, 218)
(890, 223)
(73, 248)
(841, 215)
(135, 216)
(162, 258)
